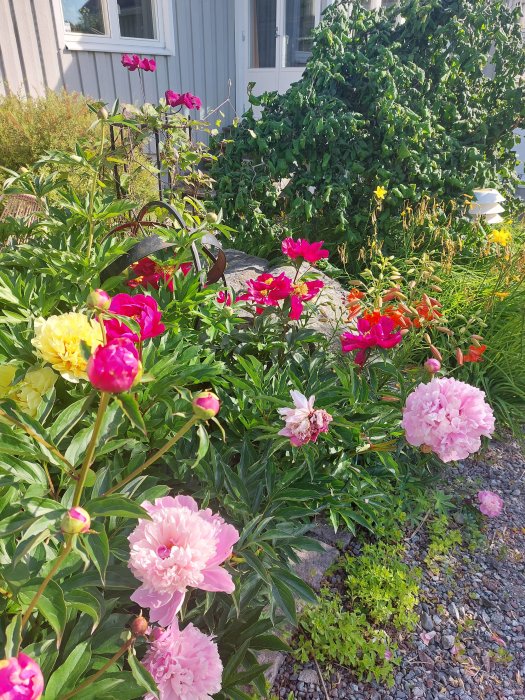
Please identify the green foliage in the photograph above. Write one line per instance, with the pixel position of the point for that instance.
(335, 635)
(443, 539)
(399, 99)
(382, 586)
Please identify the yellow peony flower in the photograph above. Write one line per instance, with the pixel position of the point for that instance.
(380, 192)
(29, 392)
(500, 236)
(7, 374)
(57, 341)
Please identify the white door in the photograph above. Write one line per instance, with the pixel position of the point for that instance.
(274, 43)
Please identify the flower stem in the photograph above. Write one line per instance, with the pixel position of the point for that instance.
(155, 456)
(123, 649)
(92, 194)
(66, 548)
(88, 457)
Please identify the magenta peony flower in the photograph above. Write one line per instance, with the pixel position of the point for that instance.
(301, 292)
(186, 99)
(371, 335)
(76, 521)
(130, 62)
(224, 298)
(206, 405)
(181, 546)
(490, 504)
(185, 664)
(114, 367)
(267, 290)
(148, 65)
(432, 365)
(304, 423)
(447, 417)
(20, 679)
(141, 308)
(301, 248)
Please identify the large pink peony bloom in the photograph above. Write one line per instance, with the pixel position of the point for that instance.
(267, 290)
(141, 308)
(185, 664)
(114, 367)
(371, 335)
(490, 504)
(20, 679)
(304, 423)
(181, 546)
(301, 248)
(301, 292)
(448, 417)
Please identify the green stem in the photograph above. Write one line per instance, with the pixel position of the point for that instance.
(66, 548)
(88, 458)
(123, 649)
(155, 456)
(92, 194)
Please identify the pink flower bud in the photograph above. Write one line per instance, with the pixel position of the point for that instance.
(115, 367)
(98, 299)
(75, 522)
(206, 405)
(432, 365)
(20, 678)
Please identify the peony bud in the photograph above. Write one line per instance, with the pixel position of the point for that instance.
(20, 678)
(212, 217)
(115, 367)
(76, 521)
(432, 365)
(102, 113)
(139, 626)
(98, 299)
(206, 405)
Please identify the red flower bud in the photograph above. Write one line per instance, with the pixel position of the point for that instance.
(206, 405)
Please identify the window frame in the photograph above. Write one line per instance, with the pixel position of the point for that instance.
(113, 42)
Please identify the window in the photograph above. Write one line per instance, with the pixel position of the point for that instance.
(118, 25)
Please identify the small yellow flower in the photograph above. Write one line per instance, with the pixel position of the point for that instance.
(501, 295)
(380, 192)
(7, 374)
(29, 392)
(500, 236)
(58, 341)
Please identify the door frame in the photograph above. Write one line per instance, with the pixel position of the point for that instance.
(242, 16)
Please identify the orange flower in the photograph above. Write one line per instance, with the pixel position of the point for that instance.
(373, 317)
(427, 311)
(475, 353)
(397, 316)
(354, 306)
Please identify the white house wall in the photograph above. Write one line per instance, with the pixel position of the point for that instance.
(34, 58)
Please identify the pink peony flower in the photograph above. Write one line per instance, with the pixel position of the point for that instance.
(267, 290)
(301, 248)
(185, 664)
(114, 367)
(432, 365)
(181, 546)
(186, 99)
(141, 308)
(20, 679)
(381, 334)
(304, 423)
(490, 504)
(301, 292)
(148, 64)
(447, 417)
(130, 62)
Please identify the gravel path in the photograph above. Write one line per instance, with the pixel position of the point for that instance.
(474, 609)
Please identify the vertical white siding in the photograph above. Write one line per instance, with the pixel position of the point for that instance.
(33, 58)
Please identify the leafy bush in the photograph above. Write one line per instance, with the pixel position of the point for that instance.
(392, 107)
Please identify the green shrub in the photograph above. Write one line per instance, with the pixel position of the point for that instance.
(397, 99)
(31, 126)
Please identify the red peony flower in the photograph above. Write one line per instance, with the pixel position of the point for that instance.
(141, 308)
(301, 248)
(267, 290)
(130, 62)
(380, 334)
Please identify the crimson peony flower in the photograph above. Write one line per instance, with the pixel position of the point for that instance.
(301, 248)
(180, 547)
(301, 292)
(447, 417)
(224, 298)
(186, 99)
(141, 308)
(148, 64)
(380, 334)
(20, 679)
(475, 353)
(490, 504)
(130, 62)
(114, 367)
(185, 664)
(150, 273)
(304, 423)
(267, 290)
